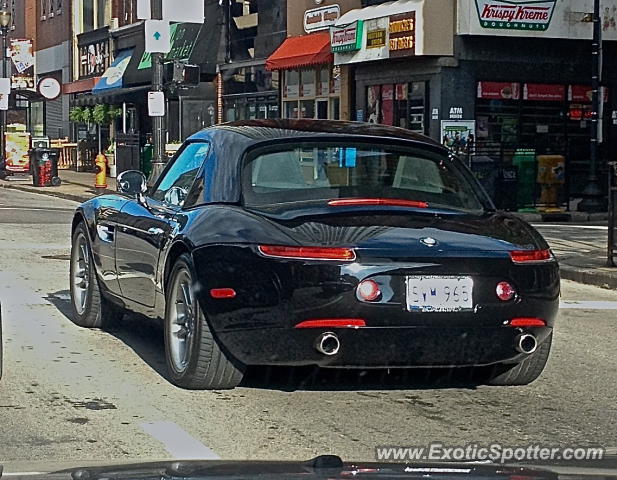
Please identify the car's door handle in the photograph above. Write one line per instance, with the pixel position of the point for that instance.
(155, 231)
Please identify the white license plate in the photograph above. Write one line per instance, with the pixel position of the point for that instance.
(439, 294)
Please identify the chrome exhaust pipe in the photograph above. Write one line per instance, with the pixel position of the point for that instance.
(526, 343)
(328, 344)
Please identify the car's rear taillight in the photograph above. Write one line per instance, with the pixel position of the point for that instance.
(387, 202)
(309, 253)
(527, 322)
(531, 256)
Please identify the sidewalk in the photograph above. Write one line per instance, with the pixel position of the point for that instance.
(579, 246)
(77, 186)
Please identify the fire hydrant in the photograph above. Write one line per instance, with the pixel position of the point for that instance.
(101, 171)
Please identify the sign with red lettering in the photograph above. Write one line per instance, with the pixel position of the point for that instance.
(321, 18)
(499, 90)
(516, 14)
(544, 92)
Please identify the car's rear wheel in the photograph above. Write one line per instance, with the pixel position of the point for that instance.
(194, 358)
(90, 308)
(524, 372)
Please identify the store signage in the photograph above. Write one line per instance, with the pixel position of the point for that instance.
(321, 18)
(582, 94)
(516, 14)
(376, 39)
(458, 135)
(402, 34)
(347, 38)
(544, 92)
(456, 113)
(499, 91)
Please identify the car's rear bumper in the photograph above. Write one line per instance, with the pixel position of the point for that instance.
(381, 347)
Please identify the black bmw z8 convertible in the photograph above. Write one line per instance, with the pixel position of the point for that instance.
(303, 242)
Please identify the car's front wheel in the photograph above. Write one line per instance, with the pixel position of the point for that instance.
(194, 358)
(524, 372)
(90, 308)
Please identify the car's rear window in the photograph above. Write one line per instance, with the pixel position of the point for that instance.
(314, 172)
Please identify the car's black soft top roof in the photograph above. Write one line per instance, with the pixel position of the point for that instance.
(272, 129)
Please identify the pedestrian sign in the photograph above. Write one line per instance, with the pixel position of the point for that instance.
(158, 36)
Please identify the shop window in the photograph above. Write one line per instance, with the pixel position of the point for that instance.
(292, 84)
(402, 105)
(308, 83)
(335, 108)
(291, 109)
(307, 109)
(323, 82)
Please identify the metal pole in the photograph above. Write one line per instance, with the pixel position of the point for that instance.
(592, 201)
(159, 159)
(3, 116)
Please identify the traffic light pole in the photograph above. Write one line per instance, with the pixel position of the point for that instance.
(592, 195)
(159, 158)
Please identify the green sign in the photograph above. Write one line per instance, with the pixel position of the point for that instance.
(347, 38)
(183, 39)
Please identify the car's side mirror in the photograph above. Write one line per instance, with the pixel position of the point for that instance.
(176, 196)
(132, 182)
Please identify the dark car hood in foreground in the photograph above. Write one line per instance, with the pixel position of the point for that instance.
(314, 470)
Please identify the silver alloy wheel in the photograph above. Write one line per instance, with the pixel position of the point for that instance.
(181, 324)
(80, 273)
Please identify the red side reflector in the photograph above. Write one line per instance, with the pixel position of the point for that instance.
(388, 202)
(527, 322)
(309, 253)
(220, 293)
(531, 256)
(333, 323)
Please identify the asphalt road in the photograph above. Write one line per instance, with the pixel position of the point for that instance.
(70, 394)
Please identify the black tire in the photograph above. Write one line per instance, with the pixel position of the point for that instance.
(97, 312)
(207, 366)
(524, 372)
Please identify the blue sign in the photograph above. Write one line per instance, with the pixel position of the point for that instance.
(112, 78)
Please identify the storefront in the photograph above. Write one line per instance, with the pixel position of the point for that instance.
(312, 86)
(524, 78)
(398, 51)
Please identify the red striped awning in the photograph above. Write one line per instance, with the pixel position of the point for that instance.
(302, 51)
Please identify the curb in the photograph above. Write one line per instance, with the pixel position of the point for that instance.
(63, 195)
(565, 217)
(589, 277)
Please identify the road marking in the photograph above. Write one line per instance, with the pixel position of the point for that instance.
(179, 444)
(588, 227)
(588, 305)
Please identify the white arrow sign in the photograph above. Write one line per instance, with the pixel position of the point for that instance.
(158, 36)
(184, 11)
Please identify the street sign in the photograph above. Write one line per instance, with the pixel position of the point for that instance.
(183, 11)
(158, 37)
(5, 85)
(156, 104)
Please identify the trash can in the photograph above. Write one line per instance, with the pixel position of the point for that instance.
(146, 159)
(44, 167)
(525, 160)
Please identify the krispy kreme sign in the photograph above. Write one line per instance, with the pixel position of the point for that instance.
(515, 15)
